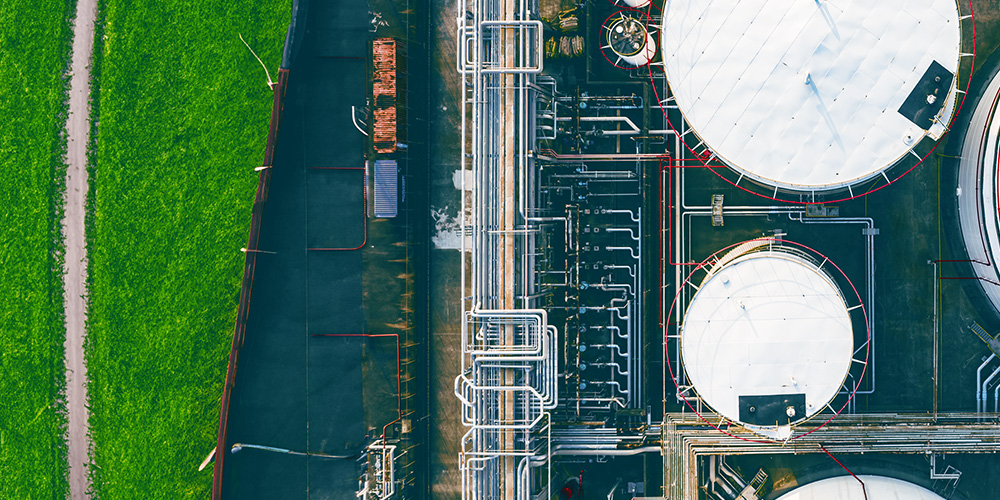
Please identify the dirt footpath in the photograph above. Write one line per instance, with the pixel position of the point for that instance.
(78, 134)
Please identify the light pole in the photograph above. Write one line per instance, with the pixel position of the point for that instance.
(239, 446)
(245, 250)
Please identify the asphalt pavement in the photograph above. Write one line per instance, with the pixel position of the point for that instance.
(293, 390)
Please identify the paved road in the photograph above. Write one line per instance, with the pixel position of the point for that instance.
(293, 390)
(78, 134)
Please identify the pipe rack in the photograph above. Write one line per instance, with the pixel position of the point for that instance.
(685, 439)
(507, 383)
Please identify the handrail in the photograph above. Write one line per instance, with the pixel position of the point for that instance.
(249, 266)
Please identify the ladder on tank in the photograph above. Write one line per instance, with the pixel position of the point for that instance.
(752, 490)
(992, 342)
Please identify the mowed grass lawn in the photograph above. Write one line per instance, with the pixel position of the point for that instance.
(34, 57)
(183, 115)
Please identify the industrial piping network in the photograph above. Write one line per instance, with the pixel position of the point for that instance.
(685, 439)
(513, 351)
(623, 358)
(500, 372)
(508, 380)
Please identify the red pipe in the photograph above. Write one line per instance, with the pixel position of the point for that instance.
(605, 157)
(863, 489)
(364, 197)
(670, 242)
(399, 385)
(968, 278)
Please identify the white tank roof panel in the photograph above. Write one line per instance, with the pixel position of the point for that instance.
(768, 323)
(848, 488)
(804, 94)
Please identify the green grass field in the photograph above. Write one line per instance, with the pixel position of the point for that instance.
(34, 55)
(183, 111)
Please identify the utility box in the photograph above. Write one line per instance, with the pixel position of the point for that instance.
(717, 210)
(386, 192)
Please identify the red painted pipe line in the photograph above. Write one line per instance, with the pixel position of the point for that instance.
(399, 371)
(697, 166)
(670, 242)
(968, 278)
(604, 157)
(863, 489)
(364, 197)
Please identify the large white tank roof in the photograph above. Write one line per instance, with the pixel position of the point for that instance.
(812, 94)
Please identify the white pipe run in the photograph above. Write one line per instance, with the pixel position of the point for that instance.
(985, 385)
(979, 379)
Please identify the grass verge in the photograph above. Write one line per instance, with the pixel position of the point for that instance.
(183, 111)
(35, 50)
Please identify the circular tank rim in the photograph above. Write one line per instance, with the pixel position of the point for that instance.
(806, 265)
(951, 101)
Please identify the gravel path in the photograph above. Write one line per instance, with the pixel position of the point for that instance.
(78, 133)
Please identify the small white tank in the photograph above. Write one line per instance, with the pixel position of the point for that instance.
(635, 4)
(630, 41)
(767, 339)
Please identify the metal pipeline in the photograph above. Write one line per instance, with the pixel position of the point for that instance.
(979, 375)
(985, 385)
(590, 450)
(996, 399)
(616, 366)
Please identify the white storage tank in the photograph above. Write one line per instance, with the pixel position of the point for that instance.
(767, 339)
(812, 95)
(848, 488)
